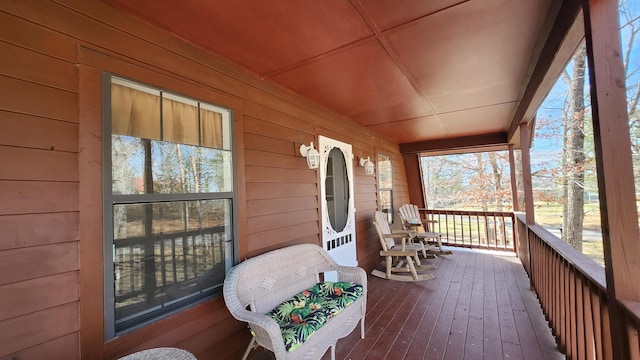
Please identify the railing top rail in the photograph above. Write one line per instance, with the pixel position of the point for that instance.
(587, 266)
(468, 212)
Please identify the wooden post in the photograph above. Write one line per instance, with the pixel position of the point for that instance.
(414, 179)
(526, 173)
(514, 185)
(618, 210)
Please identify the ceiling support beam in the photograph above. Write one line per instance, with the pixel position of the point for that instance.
(561, 43)
(614, 166)
(485, 142)
(514, 184)
(413, 171)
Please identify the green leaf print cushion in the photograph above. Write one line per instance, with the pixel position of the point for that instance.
(303, 314)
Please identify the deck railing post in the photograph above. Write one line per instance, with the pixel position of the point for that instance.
(526, 173)
(614, 164)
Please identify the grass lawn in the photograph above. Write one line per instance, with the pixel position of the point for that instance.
(550, 215)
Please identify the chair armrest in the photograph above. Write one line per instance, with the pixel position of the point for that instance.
(262, 324)
(352, 274)
(398, 252)
(427, 221)
(395, 236)
(403, 232)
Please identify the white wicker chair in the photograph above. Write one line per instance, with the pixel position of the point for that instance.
(259, 284)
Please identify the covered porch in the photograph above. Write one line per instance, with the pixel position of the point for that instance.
(393, 83)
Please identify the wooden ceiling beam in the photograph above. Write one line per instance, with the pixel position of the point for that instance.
(489, 142)
(564, 38)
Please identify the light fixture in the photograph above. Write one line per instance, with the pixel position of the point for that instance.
(312, 155)
(367, 164)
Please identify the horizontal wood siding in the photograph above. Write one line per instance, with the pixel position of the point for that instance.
(50, 183)
(39, 257)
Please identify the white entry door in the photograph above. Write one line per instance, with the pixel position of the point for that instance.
(338, 210)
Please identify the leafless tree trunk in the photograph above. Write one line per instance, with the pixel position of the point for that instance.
(497, 180)
(574, 154)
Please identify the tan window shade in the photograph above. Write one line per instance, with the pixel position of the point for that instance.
(211, 129)
(134, 112)
(180, 121)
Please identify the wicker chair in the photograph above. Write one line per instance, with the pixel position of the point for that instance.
(259, 284)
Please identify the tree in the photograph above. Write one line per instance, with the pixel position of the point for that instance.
(573, 152)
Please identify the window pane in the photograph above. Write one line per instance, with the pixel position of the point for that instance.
(179, 168)
(385, 186)
(175, 168)
(166, 255)
(385, 174)
(337, 190)
(127, 165)
(386, 204)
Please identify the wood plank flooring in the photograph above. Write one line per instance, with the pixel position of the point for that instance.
(479, 306)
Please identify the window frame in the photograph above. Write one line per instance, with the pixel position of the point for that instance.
(390, 215)
(110, 200)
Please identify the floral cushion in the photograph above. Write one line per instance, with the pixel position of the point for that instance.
(303, 314)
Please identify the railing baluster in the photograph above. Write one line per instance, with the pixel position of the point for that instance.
(588, 321)
(607, 344)
(580, 335)
(462, 239)
(634, 344)
(455, 237)
(496, 231)
(173, 260)
(163, 270)
(478, 227)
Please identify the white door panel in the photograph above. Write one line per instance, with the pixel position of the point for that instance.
(338, 210)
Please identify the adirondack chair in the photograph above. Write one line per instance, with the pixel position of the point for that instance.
(411, 220)
(391, 250)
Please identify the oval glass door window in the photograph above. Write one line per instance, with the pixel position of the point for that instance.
(337, 190)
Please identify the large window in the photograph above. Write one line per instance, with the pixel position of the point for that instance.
(169, 207)
(385, 186)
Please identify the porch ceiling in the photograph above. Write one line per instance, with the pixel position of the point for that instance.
(414, 71)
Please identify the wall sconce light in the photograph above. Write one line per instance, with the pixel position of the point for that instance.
(367, 164)
(312, 155)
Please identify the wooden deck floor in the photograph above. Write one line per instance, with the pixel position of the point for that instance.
(479, 306)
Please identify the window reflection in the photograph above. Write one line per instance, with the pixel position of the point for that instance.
(167, 251)
(385, 186)
(175, 168)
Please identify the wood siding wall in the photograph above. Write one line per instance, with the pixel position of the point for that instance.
(53, 56)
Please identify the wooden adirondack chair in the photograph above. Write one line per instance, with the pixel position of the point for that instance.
(391, 250)
(411, 220)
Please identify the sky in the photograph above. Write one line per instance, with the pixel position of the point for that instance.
(547, 142)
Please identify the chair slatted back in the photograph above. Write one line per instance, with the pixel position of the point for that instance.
(382, 228)
(409, 212)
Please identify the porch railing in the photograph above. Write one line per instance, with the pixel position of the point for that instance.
(477, 229)
(572, 291)
(151, 264)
